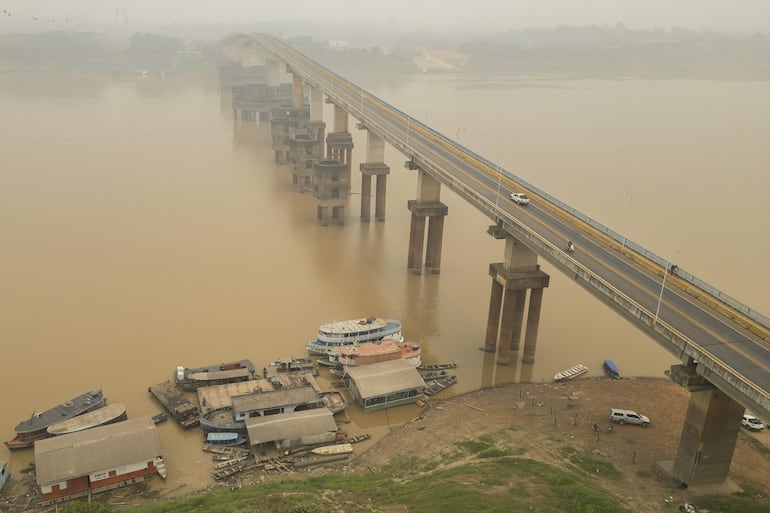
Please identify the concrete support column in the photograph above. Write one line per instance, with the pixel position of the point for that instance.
(533, 325)
(416, 239)
(379, 201)
(708, 438)
(435, 239)
(518, 318)
(366, 197)
(493, 319)
(297, 91)
(316, 104)
(507, 326)
(273, 72)
(340, 119)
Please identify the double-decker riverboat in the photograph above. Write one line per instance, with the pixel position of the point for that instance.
(333, 336)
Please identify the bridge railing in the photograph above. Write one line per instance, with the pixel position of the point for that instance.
(622, 240)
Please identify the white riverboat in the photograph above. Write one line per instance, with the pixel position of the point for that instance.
(334, 335)
(571, 373)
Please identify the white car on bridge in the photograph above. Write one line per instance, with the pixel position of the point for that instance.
(752, 423)
(520, 198)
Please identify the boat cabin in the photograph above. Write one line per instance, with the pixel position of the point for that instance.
(384, 384)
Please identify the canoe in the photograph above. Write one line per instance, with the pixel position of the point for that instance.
(611, 369)
(433, 375)
(437, 366)
(570, 373)
(440, 384)
(224, 438)
(329, 450)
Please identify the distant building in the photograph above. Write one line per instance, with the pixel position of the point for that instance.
(385, 384)
(97, 459)
(288, 430)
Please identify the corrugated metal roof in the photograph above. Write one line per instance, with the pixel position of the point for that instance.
(285, 426)
(274, 399)
(385, 377)
(101, 448)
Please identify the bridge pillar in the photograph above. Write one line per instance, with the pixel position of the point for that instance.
(709, 433)
(339, 143)
(374, 166)
(273, 72)
(297, 91)
(330, 188)
(286, 122)
(427, 205)
(511, 279)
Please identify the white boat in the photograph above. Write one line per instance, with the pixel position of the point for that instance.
(328, 450)
(570, 373)
(375, 352)
(332, 336)
(4, 473)
(113, 412)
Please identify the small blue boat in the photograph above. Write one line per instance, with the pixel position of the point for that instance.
(4, 474)
(611, 369)
(224, 438)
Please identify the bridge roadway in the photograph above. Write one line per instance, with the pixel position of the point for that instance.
(728, 346)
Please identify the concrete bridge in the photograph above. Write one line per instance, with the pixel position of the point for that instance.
(723, 345)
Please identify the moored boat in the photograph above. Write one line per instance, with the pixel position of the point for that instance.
(181, 409)
(332, 336)
(433, 375)
(329, 450)
(190, 379)
(293, 365)
(160, 417)
(570, 373)
(222, 419)
(440, 384)
(611, 369)
(4, 473)
(357, 438)
(115, 412)
(224, 438)
(437, 366)
(36, 427)
(334, 401)
(375, 352)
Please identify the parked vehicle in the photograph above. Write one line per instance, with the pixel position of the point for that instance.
(752, 423)
(628, 417)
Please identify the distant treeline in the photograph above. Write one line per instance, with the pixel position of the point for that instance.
(589, 50)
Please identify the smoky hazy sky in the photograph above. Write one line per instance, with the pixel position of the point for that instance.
(476, 15)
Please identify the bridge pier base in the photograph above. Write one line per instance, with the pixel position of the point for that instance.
(511, 279)
(434, 212)
(374, 166)
(709, 433)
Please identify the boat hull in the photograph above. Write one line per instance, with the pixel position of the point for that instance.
(571, 373)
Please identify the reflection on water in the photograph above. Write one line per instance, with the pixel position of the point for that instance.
(141, 229)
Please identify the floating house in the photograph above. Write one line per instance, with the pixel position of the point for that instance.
(97, 459)
(277, 401)
(385, 384)
(289, 430)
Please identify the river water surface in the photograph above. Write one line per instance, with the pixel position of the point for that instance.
(141, 229)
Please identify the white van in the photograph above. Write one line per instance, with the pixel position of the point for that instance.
(628, 417)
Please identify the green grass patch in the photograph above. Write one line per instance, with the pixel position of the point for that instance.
(597, 467)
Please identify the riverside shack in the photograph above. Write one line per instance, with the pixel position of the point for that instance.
(98, 459)
(289, 430)
(385, 384)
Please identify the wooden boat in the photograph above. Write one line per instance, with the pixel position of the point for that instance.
(357, 438)
(570, 373)
(160, 467)
(190, 379)
(293, 365)
(4, 473)
(115, 412)
(332, 336)
(224, 438)
(334, 401)
(440, 384)
(222, 420)
(36, 427)
(160, 417)
(330, 450)
(230, 462)
(229, 471)
(433, 375)
(611, 369)
(225, 449)
(437, 366)
(375, 352)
